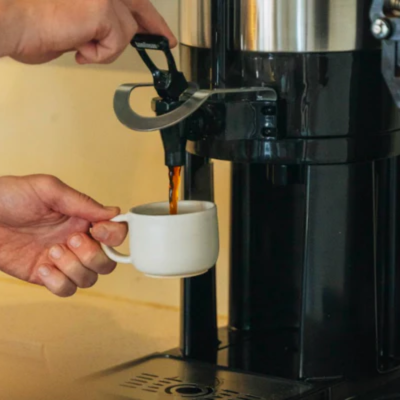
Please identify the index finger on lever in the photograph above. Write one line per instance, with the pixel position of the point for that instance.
(150, 20)
(110, 233)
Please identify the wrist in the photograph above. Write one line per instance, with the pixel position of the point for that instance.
(10, 23)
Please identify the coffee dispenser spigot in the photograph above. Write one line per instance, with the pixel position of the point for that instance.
(170, 85)
(185, 112)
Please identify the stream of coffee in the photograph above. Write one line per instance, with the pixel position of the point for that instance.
(174, 185)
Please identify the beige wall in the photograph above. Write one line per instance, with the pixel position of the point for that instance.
(58, 119)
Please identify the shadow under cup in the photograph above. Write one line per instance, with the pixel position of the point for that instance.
(171, 246)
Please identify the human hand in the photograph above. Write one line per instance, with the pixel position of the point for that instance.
(38, 31)
(44, 234)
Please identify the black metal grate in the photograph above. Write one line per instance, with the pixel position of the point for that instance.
(154, 384)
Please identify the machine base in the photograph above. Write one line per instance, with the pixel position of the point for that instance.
(161, 376)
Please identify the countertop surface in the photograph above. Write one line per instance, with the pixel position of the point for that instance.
(47, 343)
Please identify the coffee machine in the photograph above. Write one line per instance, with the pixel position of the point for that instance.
(303, 98)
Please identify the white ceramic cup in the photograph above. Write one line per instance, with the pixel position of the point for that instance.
(170, 246)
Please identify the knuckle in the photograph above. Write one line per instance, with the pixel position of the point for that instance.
(120, 46)
(117, 233)
(48, 180)
(89, 257)
(117, 47)
(131, 30)
(84, 198)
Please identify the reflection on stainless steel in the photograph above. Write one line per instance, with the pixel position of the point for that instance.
(195, 22)
(136, 122)
(283, 25)
(300, 25)
(395, 4)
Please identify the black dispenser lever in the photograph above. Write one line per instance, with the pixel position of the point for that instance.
(170, 85)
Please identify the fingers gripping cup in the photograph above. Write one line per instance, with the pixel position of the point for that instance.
(170, 246)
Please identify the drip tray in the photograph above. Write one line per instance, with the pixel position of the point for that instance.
(163, 377)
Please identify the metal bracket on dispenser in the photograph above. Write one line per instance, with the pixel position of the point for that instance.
(136, 122)
(385, 18)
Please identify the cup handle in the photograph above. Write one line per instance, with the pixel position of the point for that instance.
(112, 253)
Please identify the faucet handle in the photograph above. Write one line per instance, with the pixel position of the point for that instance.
(181, 110)
(168, 84)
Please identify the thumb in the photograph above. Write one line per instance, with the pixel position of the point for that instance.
(68, 201)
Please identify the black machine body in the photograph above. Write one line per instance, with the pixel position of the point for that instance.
(309, 120)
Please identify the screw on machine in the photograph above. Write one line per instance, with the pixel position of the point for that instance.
(385, 19)
(381, 28)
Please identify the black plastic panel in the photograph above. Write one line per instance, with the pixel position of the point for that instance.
(333, 108)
